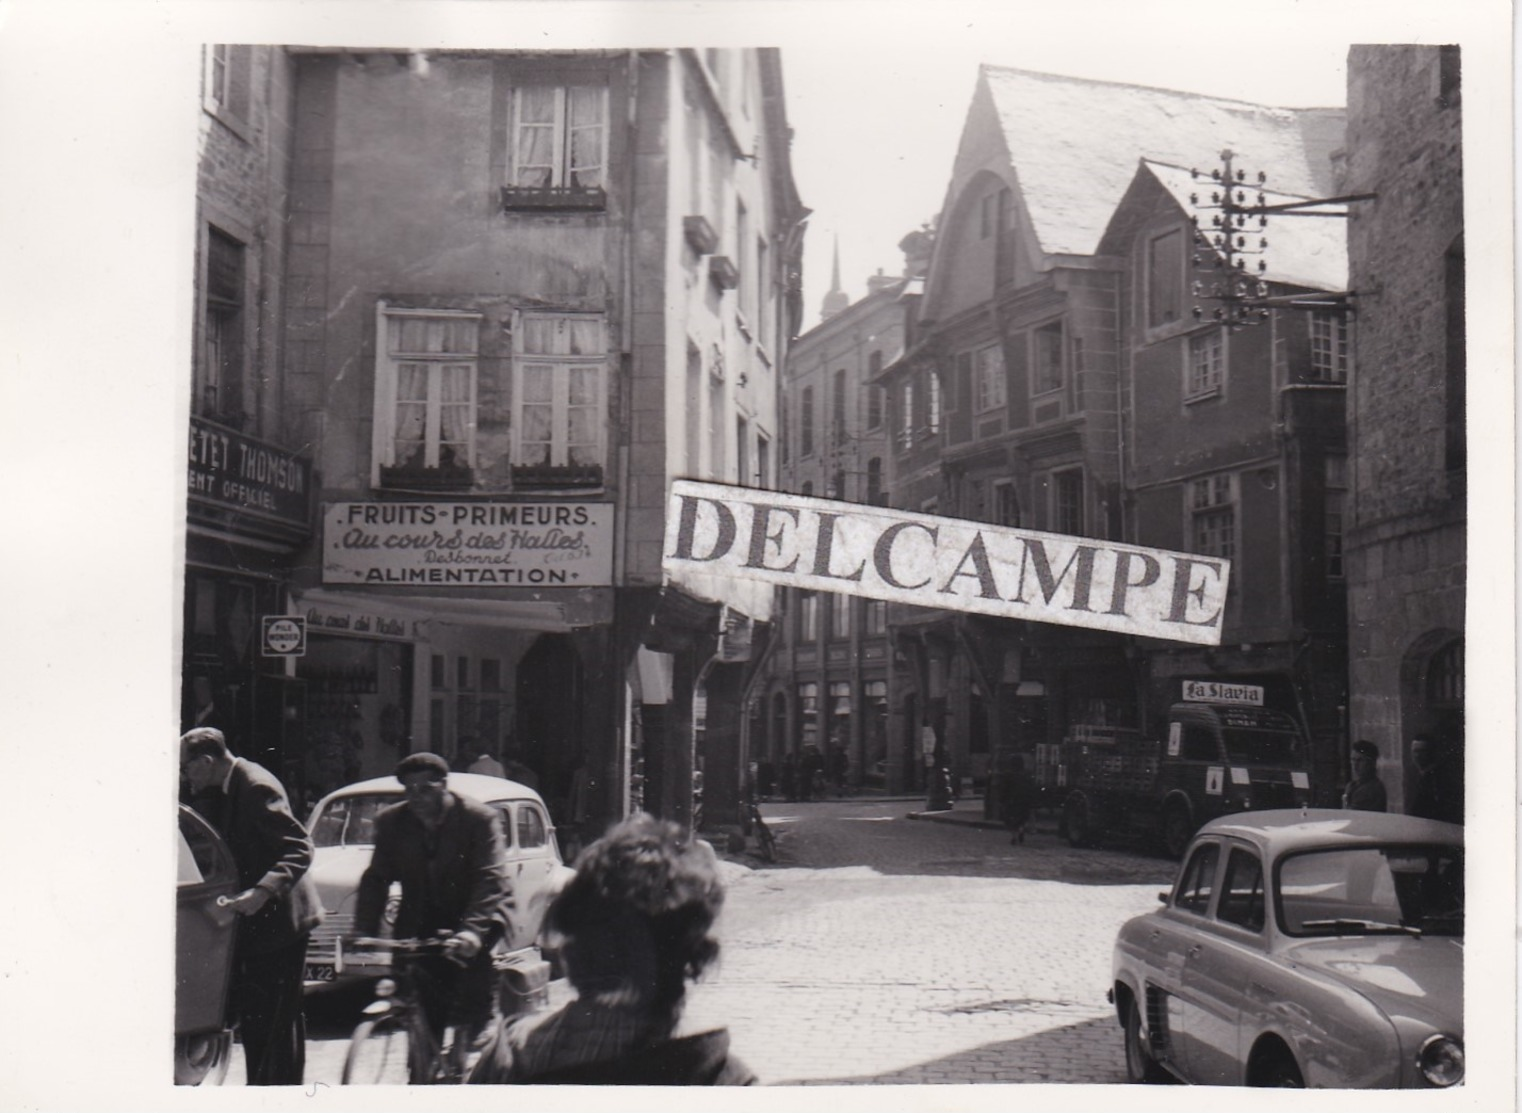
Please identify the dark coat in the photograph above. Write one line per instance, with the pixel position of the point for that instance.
(271, 849)
(453, 878)
(698, 1060)
(1439, 793)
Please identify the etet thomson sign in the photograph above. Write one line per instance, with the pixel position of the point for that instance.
(930, 561)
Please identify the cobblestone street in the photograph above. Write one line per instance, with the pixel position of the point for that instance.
(884, 949)
(943, 954)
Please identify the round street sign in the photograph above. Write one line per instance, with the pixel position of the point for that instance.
(284, 636)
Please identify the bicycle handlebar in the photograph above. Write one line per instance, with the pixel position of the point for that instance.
(416, 946)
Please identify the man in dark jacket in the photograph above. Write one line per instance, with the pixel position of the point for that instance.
(1439, 788)
(277, 906)
(1365, 792)
(448, 855)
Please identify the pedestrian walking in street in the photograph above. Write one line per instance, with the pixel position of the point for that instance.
(839, 768)
(634, 925)
(811, 773)
(1019, 799)
(277, 906)
(788, 782)
(447, 853)
(1439, 791)
(1365, 792)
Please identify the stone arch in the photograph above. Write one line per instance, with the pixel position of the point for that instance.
(1432, 696)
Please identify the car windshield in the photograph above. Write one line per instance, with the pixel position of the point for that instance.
(1373, 890)
(350, 820)
(1251, 746)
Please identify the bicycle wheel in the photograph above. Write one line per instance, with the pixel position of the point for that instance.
(377, 1053)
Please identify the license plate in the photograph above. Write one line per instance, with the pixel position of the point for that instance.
(320, 972)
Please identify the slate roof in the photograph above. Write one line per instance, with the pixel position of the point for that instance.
(1074, 144)
(1302, 250)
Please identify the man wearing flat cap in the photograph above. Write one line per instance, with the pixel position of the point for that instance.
(277, 907)
(1365, 792)
(448, 855)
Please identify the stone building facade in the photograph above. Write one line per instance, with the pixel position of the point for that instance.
(250, 479)
(1406, 545)
(1047, 385)
(522, 291)
(830, 668)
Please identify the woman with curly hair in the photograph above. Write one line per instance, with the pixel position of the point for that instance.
(634, 924)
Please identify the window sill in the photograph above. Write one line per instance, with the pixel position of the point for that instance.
(1202, 396)
(426, 479)
(1153, 334)
(549, 199)
(556, 476)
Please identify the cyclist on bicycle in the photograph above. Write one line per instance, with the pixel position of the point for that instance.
(448, 855)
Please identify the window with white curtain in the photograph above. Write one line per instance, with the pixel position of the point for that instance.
(988, 378)
(426, 389)
(559, 373)
(560, 136)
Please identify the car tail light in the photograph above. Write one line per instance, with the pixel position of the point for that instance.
(1441, 1061)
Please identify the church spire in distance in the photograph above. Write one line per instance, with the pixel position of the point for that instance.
(836, 299)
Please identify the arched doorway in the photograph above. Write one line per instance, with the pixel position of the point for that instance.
(1432, 697)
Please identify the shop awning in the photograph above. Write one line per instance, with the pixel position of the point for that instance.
(566, 612)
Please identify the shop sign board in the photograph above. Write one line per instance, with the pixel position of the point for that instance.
(1220, 691)
(283, 635)
(468, 544)
(333, 619)
(931, 561)
(231, 471)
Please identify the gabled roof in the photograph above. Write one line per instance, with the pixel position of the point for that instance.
(1074, 144)
(1302, 250)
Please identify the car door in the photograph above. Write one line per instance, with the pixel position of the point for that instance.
(518, 934)
(1175, 934)
(536, 862)
(1221, 967)
(204, 931)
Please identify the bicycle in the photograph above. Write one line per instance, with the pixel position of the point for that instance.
(396, 1029)
(766, 842)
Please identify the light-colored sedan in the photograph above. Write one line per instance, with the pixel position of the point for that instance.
(1304, 947)
(342, 826)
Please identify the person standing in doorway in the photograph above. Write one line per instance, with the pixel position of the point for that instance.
(1365, 792)
(1439, 792)
(277, 907)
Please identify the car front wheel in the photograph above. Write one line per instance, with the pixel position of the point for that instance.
(1178, 828)
(1140, 1066)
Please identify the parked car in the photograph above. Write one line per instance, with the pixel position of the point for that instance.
(342, 826)
(1303, 947)
(203, 953)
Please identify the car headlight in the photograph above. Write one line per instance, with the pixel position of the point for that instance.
(1441, 1061)
(385, 987)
